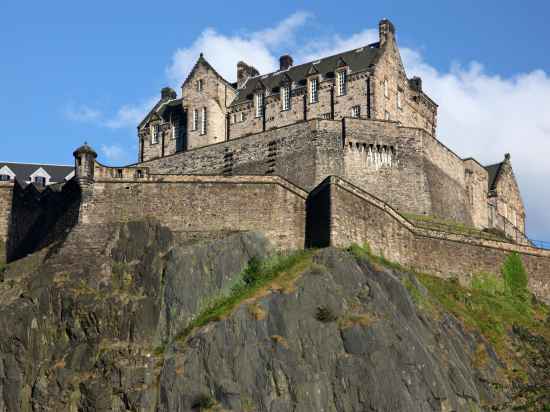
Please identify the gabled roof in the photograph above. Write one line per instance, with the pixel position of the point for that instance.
(203, 61)
(357, 60)
(23, 171)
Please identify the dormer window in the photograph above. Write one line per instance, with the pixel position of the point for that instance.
(154, 134)
(5, 178)
(313, 90)
(200, 85)
(285, 97)
(40, 181)
(259, 97)
(341, 81)
(195, 120)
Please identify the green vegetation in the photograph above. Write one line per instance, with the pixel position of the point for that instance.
(254, 279)
(435, 223)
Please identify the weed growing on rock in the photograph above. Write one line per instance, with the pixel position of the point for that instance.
(325, 314)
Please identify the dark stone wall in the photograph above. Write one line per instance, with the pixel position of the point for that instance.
(40, 218)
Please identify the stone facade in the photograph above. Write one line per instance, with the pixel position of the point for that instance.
(352, 215)
(6, 196)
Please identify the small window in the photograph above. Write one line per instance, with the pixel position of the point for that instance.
(200, 85)
(387, 115)
(195, 124)
(356, 111)
(313, 90)
(40, 181)
(139, 174)
(342, 82)
(203, 121)
(234, 118)
(154, 134)
(326, 116)
(386, 88)
(260, 104)
(242, 118)
(285, 97)
(399, 99)
(119, 173)
(5, 178)
(173, 132)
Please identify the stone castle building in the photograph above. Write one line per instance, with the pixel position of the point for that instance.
(337, 151)
(368, 122)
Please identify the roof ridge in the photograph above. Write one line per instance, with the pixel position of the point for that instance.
(35, 164)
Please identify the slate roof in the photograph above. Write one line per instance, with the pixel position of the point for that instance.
(159, 108)
(494, 171)
(23, 171)
(357, 60)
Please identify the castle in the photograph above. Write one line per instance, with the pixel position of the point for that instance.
(330, 152)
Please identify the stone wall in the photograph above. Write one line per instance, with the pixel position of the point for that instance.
(476, 178)
(6, 196)
(204, 204)
(358, 217)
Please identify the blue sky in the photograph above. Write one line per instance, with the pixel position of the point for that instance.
(75, 71)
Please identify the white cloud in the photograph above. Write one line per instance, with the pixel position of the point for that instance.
(335, 44)
(485, 116)
(81, 113)
(130, 115)
(116, 154)
(223, 52)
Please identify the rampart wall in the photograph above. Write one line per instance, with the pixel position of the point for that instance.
(196, 205)
(354, 216)
(6, 196)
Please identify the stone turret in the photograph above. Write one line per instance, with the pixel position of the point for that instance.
(84, 165)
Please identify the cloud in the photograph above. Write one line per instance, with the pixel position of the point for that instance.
(116, 154)
(130, 115)
(485, 116)
(82, 113)
(335, 44)
(223, 51)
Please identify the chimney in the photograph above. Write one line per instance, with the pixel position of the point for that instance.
(285, 62)
(244, 72)
(167, 93)
(386, 31)
(416, 83)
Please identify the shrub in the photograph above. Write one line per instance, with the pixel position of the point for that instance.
(488, 283)
(203, 402)
(252, 271)
(324, 314)
(515, 276)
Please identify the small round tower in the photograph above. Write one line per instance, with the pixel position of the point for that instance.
(84, 164)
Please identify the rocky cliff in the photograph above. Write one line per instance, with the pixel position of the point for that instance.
(137, 318)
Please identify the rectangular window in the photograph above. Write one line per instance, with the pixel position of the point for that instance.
(285, 97)
(386, 88)
(399, 99)
(242, 117)
(173, 131)
(200, 85)
(195, 124)
(387, 115)
(203, 121)
(259, 104)
(5, 178)
(341, 81)
(313, 90)
(356, 111)
(40, 181)
(154, 134)
(234, 118)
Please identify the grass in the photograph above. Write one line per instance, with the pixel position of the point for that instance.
(278, 271)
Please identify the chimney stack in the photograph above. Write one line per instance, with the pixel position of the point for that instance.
(168, 93)
(285, 62)
(386, 31)
(244, 72)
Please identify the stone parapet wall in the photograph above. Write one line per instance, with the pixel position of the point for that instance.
(205, 204)
(6, 199)
(355, 216)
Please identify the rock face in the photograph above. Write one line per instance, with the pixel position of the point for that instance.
(92, 325)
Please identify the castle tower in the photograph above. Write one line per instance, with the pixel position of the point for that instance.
(84, 166)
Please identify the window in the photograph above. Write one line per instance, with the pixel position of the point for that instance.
(285, 97)
(40, 181)
(154, 134)
(387, 115)
(119, 173)
(5, 178)
(139, 174)
(195, 124)
(356, 111)
(326, 116)
(203, 121)
(386, 88)
(399, 99)
(341, 81)
(260, 104)
(173, 131)
(313, 90)
(200, 85)
(234, 118)
(242, 119)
